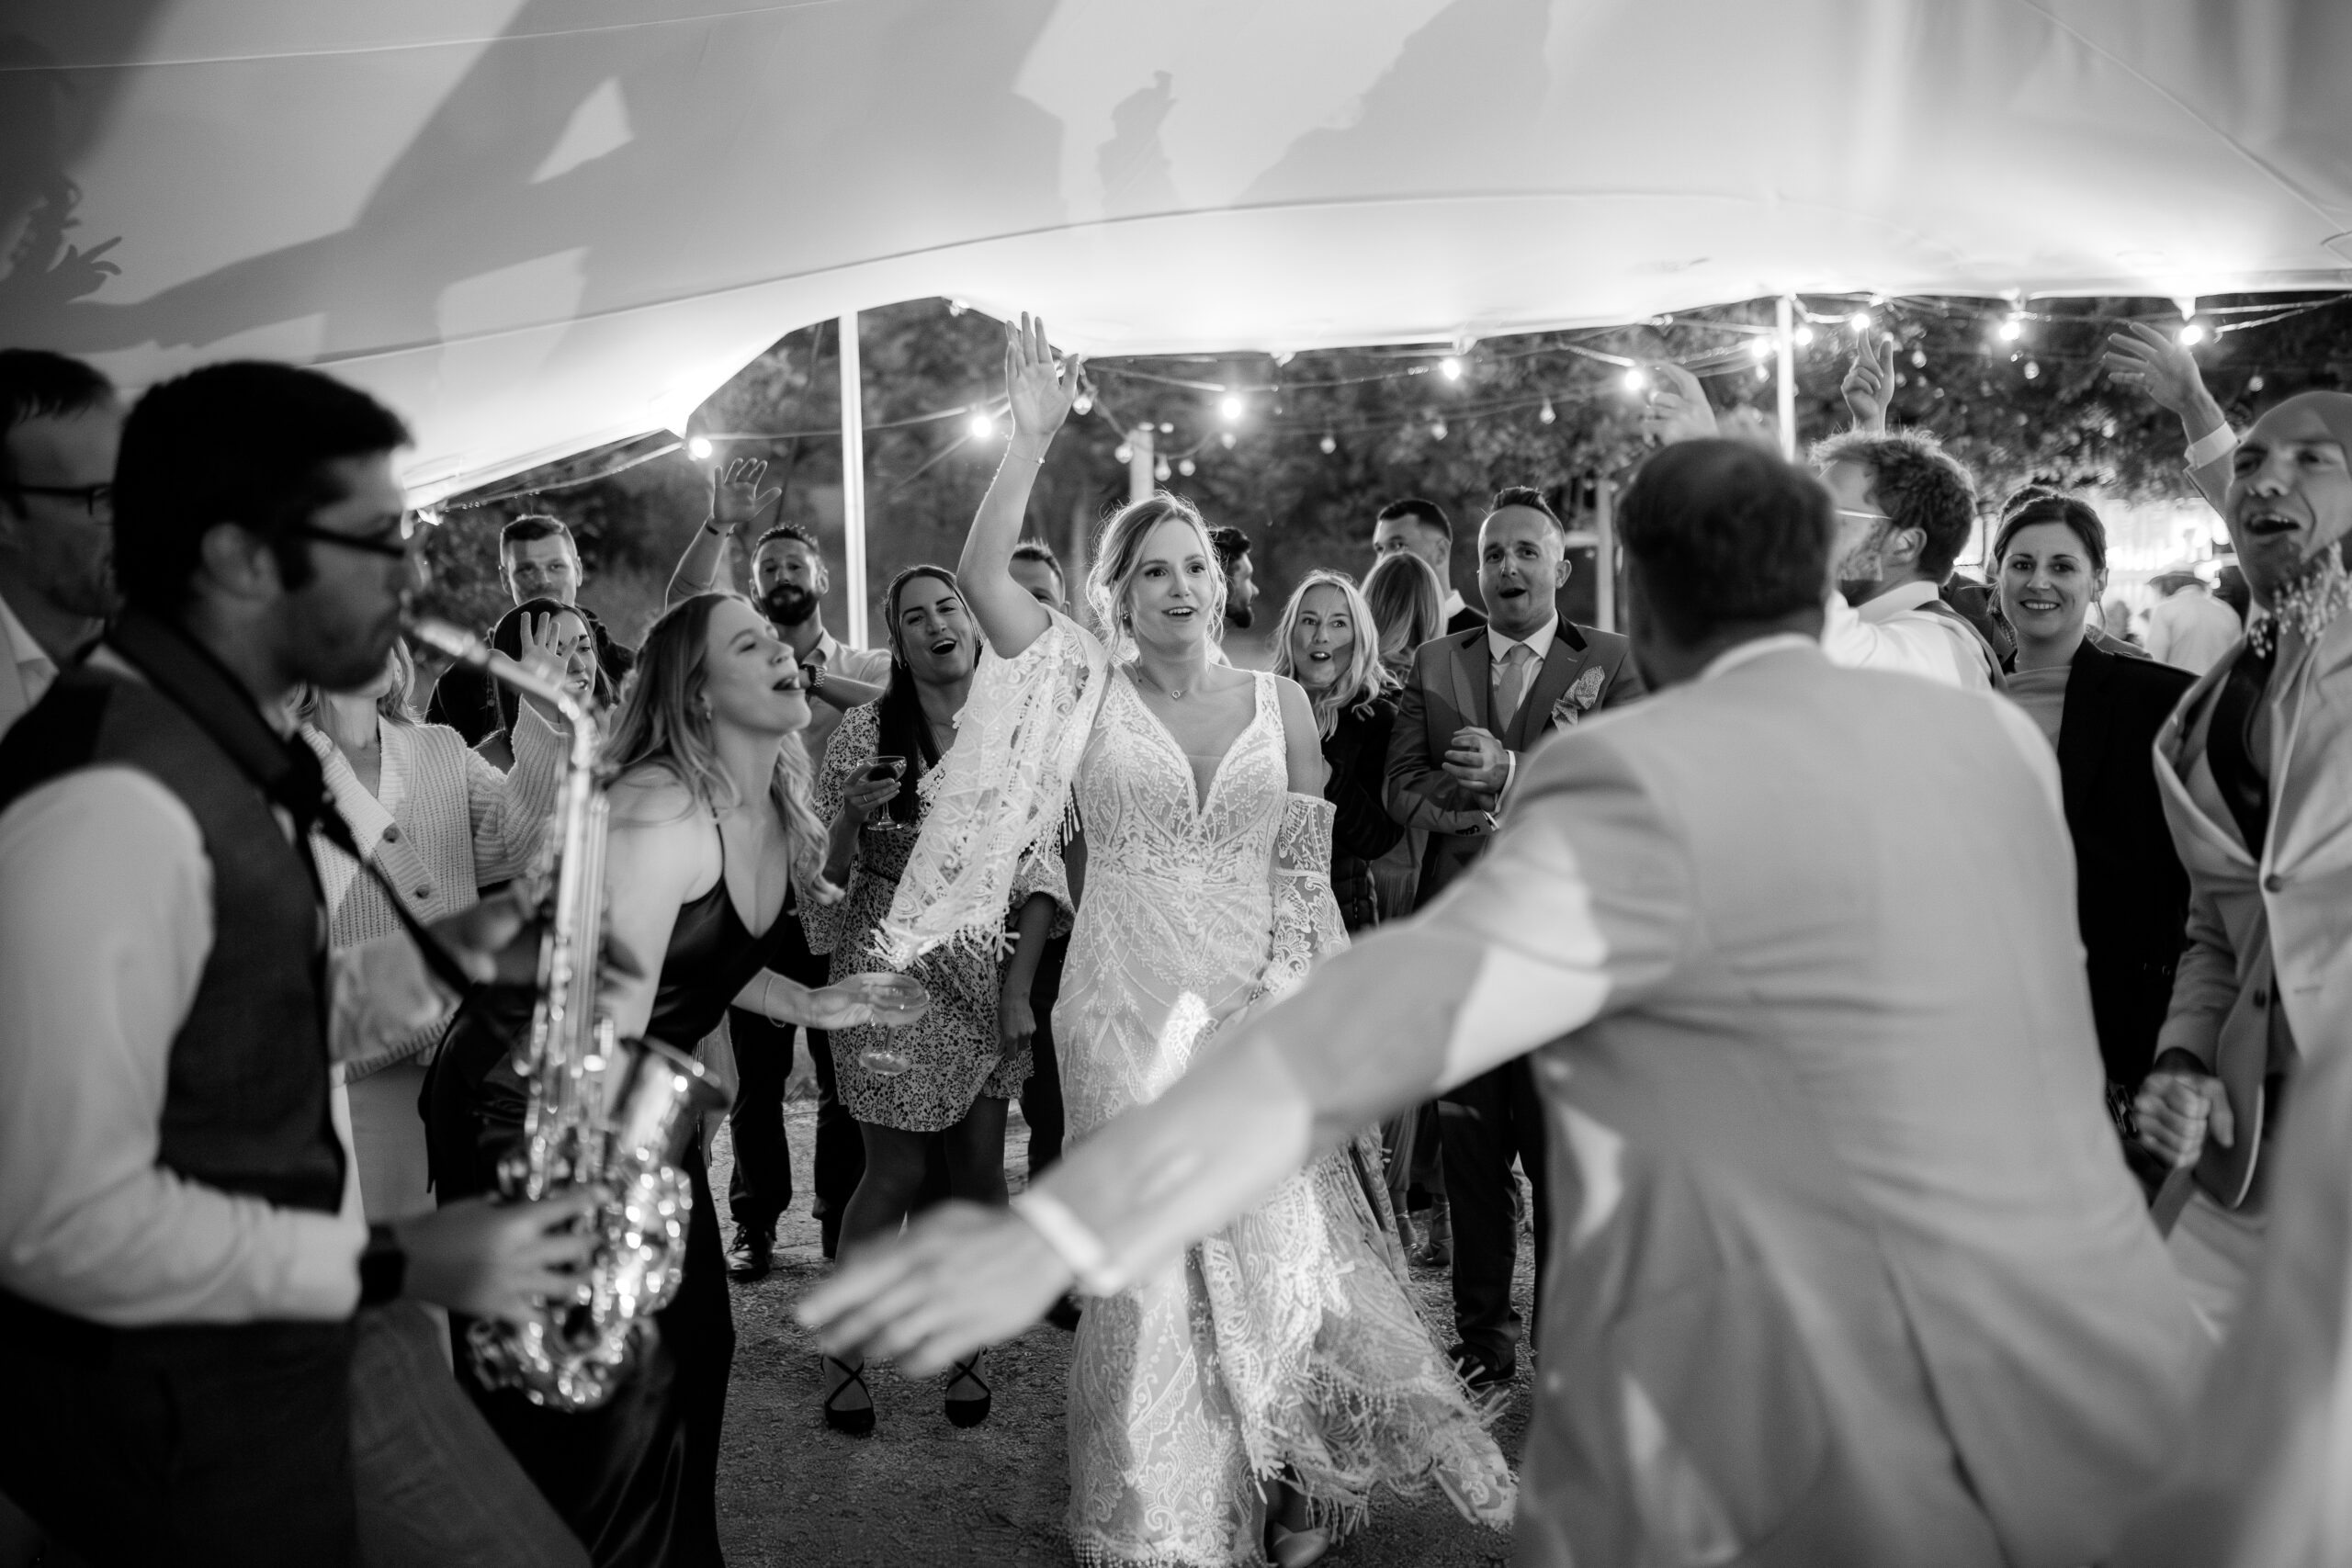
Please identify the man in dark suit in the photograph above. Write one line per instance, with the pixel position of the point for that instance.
(1423, 527)
(1476, 703)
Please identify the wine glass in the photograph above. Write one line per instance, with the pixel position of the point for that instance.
(896, 1001)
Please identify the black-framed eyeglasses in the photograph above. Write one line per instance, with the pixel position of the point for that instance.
(91, 497)
(392, 544)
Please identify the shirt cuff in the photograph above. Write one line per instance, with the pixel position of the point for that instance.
(1079, 1248)
(2210, 448)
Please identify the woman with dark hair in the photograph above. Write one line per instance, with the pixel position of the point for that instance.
(945, 1082)
(2101, 711)
(544, 630)
(711, 835)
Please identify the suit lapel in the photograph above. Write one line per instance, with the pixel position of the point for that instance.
(1561, 667)
(2173, 761)
(2082, 733)
(1473, 696)
(2290, 787)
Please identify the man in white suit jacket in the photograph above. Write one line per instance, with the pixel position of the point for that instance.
(1848, 1267)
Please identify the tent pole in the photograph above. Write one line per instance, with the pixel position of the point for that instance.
(1140, 483)
(1785, 314)
(853, 478)
(1604, 553)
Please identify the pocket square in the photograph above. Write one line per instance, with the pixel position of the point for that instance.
(1577, 700)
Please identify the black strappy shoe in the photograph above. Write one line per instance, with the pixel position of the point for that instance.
(969, 1412)
(853, 1423)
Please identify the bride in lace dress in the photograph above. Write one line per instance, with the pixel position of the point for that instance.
(1250, 1398)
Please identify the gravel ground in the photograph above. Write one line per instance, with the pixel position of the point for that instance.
(917, 1492)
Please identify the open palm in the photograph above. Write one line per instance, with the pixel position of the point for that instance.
(1040, 389)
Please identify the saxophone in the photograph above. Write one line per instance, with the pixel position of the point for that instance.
(601, 1111)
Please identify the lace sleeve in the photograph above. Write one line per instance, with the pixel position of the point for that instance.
(1042, 872)
(1001, 793)
(1306, 919)
(846, 750)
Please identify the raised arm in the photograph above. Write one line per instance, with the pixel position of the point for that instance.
(2163, 367)
(1041, 393)
(735, 499)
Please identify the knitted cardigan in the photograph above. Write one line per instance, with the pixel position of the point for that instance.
(444, 825)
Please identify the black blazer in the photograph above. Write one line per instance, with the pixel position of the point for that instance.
(1357, 788)
(2130, 893)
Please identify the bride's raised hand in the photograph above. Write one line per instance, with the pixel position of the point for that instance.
(1040, 390)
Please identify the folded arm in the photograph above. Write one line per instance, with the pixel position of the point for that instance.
(1421, 793)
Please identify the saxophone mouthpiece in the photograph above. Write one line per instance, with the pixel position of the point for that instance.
(455, 641)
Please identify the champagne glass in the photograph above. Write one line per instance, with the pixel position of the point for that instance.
(896, 1001)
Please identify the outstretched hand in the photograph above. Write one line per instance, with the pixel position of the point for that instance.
(1041, 390)
(1679, 410)
(2156, 363)
(962, 1277)
(1869, 385)
(736, 497)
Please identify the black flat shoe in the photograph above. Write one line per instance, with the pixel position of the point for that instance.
(751, 1258)
(1477, 1373)
(853, 1423)
(969, 1412)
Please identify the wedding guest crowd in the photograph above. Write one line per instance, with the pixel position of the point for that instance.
(258, 982)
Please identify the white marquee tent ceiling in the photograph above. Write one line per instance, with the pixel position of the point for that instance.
(534, 226)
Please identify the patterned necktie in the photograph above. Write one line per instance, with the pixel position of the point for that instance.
(2228, 744)
(1510, 688)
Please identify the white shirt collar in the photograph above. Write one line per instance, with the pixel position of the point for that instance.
(22, 647)
(1453, 606)
(1894, 600)
(1539, 641)
(827, 649)
(1756, 648)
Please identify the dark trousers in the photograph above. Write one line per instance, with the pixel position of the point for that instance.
(193, 1445)
(1041, 1097)
(761, 1187)
(1487, 1120)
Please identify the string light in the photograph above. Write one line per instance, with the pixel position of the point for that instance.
(1635, 379)
(956, 307)
(1546, 416)
(1450, 367)
(1186, 466)
(1166, 428)
(1804, 336)
(1329, 444)
(2254, 383)
(1229, 438)
(1859, 320)
(1763, 372)
(1082, 403)
(699, 448)
(2192, 332)
(1918, 359)
(1761, 347)
(1123, 453)
(2032, 370)
(1230, 406)
(1160, 470)
(980, 427)
(1436, 429)
(2011, 328)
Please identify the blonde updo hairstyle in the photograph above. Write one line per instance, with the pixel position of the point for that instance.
(1118, 558)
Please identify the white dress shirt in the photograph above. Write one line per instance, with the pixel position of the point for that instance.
(25, 668)
(1453, 605)
(106, 923)
(2192, 629)
(871, 665)
(1893, 632)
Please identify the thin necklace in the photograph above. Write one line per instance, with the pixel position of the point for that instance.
(1173, 694)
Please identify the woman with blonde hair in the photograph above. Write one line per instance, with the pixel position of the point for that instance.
(711, 836)
(1245, 1402)
(1327, 643)
(1408, 604)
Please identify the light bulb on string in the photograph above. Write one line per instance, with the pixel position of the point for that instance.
(1763, 372)
(1167, 429)
(1918, 359)
(1229, 438)
(1450, 367)
(2253, 382)
(1859, 320)
(1082, 403)
(1160, 470)
(699, 448)
(1230, 407)
(1436, 429)
(1635, 379)
(1804, 336)
(1761, 347)
(2192, 332)
(1186, 466)
(1546, 414)
(1329, 444)
(2032, 370)
(2011, 328)
(981, 426)
(1123, 453)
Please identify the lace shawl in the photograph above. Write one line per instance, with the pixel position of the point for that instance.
(1001, 794)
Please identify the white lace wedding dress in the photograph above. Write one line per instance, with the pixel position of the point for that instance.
(1286, 1345)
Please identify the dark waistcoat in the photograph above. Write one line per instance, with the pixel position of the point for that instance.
(246, 1108)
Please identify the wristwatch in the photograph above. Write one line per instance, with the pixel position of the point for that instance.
(812, 676)
(383, 1266)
